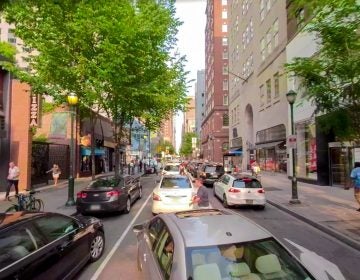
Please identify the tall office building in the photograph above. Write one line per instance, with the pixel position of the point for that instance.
(199, 100)
(189, 116)
(167, 130)
(214, 128)
(258, 106)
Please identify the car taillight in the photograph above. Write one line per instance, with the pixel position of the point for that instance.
(112, 193)
(261, 191)
(233, 190)
(156, 197)
(81, 195)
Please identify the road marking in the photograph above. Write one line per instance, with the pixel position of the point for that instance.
(117, 244)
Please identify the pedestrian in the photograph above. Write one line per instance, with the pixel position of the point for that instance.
(140, 165)
(56, 171)
(201, 199)
(182, 169)
(355, 176)
(13, 179)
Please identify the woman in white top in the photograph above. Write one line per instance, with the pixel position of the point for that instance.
(13, 179)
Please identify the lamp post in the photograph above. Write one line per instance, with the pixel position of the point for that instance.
(291, 97)
(72, 100)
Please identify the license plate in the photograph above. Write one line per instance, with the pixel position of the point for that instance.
(248, 201)
(95, 207)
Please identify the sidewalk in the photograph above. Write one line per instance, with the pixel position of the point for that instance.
(330, 209)
(55, 197)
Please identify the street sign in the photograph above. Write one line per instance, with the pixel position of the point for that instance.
(291, 142)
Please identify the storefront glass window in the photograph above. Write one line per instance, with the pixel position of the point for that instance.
(306, 150)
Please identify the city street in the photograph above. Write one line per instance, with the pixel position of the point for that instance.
(119, 260)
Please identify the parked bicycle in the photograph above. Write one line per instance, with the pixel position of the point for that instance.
(27, 202)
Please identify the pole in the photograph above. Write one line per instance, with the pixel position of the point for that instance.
(71, 201)
(294, 193)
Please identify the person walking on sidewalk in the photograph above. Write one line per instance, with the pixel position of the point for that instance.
(355, 176)
(55, 173)
(13, 179)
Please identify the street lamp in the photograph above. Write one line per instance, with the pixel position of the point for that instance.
(291, 97)
(72, 100)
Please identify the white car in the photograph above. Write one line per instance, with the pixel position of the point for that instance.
(171, 169)
(172, 194)
(239, 189)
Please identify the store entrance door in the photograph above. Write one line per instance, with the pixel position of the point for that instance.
(340, 165)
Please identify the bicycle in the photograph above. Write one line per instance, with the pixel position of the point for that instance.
(27, 202)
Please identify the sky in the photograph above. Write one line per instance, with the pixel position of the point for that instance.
(191, 43)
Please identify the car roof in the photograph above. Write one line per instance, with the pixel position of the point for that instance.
(204, 230)
(12, 218)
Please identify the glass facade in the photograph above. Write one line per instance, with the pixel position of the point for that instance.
(306, 150)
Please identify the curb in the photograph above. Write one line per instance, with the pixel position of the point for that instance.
(339, 236)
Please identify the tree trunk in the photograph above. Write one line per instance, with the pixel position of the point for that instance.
(92, 124)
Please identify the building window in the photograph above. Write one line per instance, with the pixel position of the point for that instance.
(268, 41)
(263, 51)
(225, 69)
(224, 27)
(224, 2)
(225, 119)
(268, 91)
(276, 33)
(224, 14)
(262, 10)
(225, 84)
(300, 18)
(11, 36)
(276, 85)
(225, 54)
(225, 41)
(262, 96)
(226, 100)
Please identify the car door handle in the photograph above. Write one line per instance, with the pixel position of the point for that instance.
(63, 246)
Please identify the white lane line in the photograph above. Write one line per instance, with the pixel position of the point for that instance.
(117, 244)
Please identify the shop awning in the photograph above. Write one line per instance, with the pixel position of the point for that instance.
(234, 152)
(269, 144)
(87, 151)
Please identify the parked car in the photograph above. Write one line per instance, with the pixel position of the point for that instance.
(171, 169)
(210, 172)
(212, 244)
(238, 189)
(47, 245)
(173, 193)
(109, 194)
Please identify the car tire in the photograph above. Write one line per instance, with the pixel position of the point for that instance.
(225, 203)
(97, 246)
(261, 207)
(128, 206)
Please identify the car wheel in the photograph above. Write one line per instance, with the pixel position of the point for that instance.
(128, 205)
(225, 203)
(261, 207)
(140, 192)
(97, 246)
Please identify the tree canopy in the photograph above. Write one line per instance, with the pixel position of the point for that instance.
(331, 78)
(186, 143)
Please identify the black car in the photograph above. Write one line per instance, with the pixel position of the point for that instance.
(47, 245)
(109, 194)
(210, 173)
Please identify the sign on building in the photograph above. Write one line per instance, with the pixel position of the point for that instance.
(193, 142)
(291, 142)
(34, 110)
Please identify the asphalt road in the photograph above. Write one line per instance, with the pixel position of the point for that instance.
(306, 242)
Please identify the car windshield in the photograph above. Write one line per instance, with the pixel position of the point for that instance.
(260, 259)
(211, 169)
(175, 183)
(249, 183)
(106, 183)
(171, 168)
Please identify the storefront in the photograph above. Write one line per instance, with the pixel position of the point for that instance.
(271, 149)
(306, 160)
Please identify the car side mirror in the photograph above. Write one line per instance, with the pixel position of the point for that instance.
(138, 228)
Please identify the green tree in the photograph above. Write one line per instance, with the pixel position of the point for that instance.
(166, 147)
(115, 55)
(186, 144)
(331, 78)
